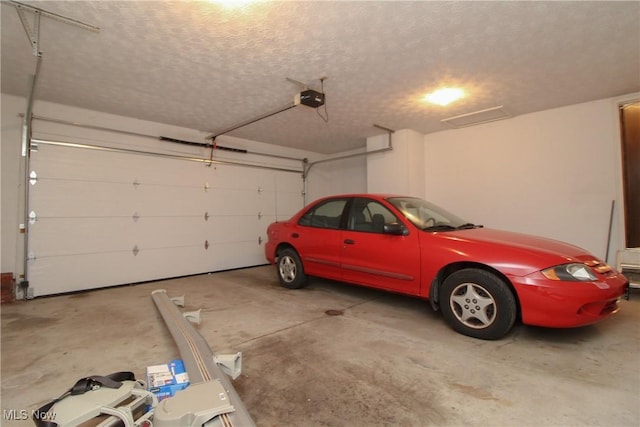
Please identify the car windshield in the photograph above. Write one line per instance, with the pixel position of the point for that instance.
(427, 216)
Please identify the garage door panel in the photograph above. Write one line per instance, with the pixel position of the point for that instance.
(284, 183)
(105, 218)
(165, 232)
(67, 163)
(288, 204)
(169, 201)
(165, 171)
(233, 229)
(238, 201)
(52, 275)
(69, 236)
(63, 198)
(238, 254)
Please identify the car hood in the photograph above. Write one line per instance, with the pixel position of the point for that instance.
(519, 253)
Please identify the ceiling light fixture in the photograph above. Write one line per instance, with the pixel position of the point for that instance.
(444, 96)
(477, 117)
(233, 4)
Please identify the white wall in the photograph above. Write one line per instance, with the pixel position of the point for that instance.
(399, 171)
(553, 173)
(326, 178)
(337, 177)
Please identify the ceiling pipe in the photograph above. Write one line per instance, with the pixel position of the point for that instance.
(308, 166)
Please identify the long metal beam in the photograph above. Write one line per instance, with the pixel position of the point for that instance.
(204, 373)
(155, 137)
(252, 120)
(151, 153)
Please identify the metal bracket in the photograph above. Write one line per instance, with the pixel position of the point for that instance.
(32, 217)
(32, 35)
(260, 190)
(206, 244)
(33, 178)
(259, 215)
(136, 183)
(206, 186)
(136, 250)
(231, 364)
(179, 301)
(135, 217)
(259, 240)
(206, 216)
(192, 316)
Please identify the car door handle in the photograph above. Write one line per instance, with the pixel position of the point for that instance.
(349, 242)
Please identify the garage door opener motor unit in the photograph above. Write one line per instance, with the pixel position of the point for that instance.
(310, 98)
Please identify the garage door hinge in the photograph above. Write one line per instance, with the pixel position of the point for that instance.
(135, 217)
(259, 215)
(206, 245)
(33, 178)
(206, 186)
(135, 250)
(206, 216)
(259, 240)
(260, 190)
(31, 256)
(32, 217)
(136, 183)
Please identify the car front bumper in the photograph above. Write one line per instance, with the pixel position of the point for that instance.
(560, 304)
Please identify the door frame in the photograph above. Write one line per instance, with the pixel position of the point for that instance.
(619, 227)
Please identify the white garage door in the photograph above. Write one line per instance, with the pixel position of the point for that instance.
(101, 218)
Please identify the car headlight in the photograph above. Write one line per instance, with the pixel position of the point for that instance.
(570, 272)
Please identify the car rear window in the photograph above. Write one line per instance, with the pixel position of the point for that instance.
(324, 215)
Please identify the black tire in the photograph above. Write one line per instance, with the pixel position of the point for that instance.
(290, 269)
(477, 303)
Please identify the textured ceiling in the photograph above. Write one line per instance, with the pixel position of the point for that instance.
(201, 66)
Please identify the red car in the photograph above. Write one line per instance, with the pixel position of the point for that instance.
(481, 279)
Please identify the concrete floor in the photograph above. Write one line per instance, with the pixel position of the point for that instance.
(387, 360)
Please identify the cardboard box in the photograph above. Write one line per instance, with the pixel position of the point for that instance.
(165, 380)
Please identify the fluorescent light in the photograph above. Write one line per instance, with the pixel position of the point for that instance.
(444, 96)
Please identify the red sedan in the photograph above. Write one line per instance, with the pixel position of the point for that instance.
(481, 279)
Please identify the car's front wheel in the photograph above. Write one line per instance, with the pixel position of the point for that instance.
(478, 303)
(290, 270)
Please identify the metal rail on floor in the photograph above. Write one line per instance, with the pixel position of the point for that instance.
(210, 399)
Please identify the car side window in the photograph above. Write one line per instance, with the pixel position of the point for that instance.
(369, 215)
(324, 215)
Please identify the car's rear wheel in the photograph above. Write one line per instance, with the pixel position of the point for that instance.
(290, 270)
(478, 303)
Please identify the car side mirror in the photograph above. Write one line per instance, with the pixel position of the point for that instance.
(396, 228)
